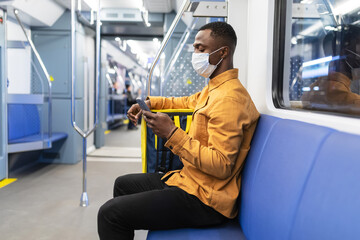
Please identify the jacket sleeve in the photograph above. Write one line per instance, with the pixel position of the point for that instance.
(225, 129)
(174, 103)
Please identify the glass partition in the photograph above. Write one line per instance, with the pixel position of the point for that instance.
(173, 75)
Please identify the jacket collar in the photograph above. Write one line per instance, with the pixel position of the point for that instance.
(223, 77)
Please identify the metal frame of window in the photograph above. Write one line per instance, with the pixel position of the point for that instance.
(278, 53)
(280, 16)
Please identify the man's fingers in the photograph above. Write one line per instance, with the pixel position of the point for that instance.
(138, 115)
(131, 109)
(131, 117)
(149, 115)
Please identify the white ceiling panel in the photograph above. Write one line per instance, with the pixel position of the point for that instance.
(121, 3)
(158, 6)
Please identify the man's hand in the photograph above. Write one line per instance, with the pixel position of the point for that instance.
(135, 111)
(160, 123)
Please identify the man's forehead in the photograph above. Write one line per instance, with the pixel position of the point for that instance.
(203, 37)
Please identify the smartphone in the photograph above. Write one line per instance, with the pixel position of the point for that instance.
(142, 104)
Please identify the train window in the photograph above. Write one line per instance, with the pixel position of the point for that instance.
(317, 55)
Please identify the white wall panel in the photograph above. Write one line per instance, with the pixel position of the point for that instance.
(18, 61)
(238, 19)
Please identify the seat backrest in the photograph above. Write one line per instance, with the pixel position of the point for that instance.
(23, 121)
(330, 203)
(298, 182)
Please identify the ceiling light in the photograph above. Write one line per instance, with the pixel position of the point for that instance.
(347, 7)
(330, 28)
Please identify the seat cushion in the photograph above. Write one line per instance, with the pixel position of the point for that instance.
(330, 205)
(228, 230)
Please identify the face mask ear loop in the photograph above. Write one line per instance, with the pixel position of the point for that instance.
(219, 61)
(216, 50)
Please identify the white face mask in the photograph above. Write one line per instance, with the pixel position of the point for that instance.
(201, 64)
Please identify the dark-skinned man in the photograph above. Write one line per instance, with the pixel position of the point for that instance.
(205, 190)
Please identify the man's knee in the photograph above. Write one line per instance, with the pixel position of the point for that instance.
(105, 212)
(123, 184)
(112, 211)
(112, 220)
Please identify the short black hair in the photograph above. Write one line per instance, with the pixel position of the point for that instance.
(222, 30)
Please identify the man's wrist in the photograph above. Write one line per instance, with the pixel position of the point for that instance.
(171, 133)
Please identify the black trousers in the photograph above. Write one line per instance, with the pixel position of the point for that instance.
(144, 201)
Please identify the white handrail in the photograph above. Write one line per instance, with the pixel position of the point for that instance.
(42, 65)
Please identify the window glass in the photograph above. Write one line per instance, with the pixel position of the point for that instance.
(322, 56)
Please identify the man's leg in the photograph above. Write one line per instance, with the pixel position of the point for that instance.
(164, 208)
(138, 182)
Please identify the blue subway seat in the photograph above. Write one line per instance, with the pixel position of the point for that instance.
(228, 230)
(23, 121)
(300, 181)
(24, 127)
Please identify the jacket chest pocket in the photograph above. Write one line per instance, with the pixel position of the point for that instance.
(201, 125)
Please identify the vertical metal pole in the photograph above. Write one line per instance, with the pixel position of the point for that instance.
(73, 61)
(98, 60)
(84, 202)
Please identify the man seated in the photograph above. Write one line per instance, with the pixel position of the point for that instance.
(204, 192)
(333, 92)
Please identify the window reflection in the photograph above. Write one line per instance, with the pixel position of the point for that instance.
(325, 55)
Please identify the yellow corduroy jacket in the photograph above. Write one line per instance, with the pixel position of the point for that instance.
(214, 150)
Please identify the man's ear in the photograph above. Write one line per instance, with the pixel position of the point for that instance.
(225, 52)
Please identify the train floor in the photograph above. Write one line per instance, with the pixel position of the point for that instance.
(43, 203)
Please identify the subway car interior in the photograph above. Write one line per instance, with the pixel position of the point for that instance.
(71, 69)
